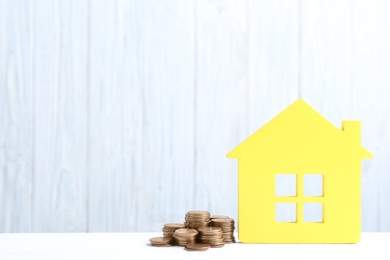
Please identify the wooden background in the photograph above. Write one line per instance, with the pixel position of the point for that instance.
(117, 115)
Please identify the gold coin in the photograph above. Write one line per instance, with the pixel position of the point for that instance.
(183, 236)
(197, 218)
(173, 226)
(197, 247)
(219, 217)
(160, 241)
(208, 230)
(198, 212)
(167, 234)
(216, 246)
(226, 221)
(185, 232)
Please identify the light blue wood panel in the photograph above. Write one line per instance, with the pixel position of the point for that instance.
(60, 83)
(141, 114)
(15, 117)
(168, 78)
(115, 118)
(221, 97)
(273, 60)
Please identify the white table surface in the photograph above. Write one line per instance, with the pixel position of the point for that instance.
(136, 246)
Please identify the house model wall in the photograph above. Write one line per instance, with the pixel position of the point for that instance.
(300, 180)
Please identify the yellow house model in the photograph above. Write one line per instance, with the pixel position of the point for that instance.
(299, 180)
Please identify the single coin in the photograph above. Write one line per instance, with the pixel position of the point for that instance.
(197, 247)
(208, 230)
(217, 246)
(199, 212)
(219, 217)
(160, 241)
(223, 220)
(185, 232)
(170, 226)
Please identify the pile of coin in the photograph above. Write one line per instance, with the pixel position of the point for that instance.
(197, 218)
(184, 236)
(170, 228)
(212, 236)
(199, 232)
(227, 226)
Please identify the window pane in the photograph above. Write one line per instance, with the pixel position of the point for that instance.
(286, 185)
(286, 212)
(312, 212)
(313, 184)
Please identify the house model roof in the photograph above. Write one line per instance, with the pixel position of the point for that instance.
(301, 128)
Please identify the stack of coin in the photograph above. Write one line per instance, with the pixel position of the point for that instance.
(161, 241)
(227, 226)
(184, 236)
(212, 236)
(170, 228)
(197, 218)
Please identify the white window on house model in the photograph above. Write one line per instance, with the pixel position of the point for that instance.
(299, 192)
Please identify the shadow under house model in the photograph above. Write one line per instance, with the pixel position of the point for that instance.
(300, 180)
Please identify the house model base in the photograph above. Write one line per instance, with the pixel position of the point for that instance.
(300, 180)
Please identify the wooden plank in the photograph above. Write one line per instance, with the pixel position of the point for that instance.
(344, 53)
(114, 120)
(273, 60)
(221, 92)
(168, 120)
(60, 62)
(325, 58)
(15, 117)
(141, 114)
